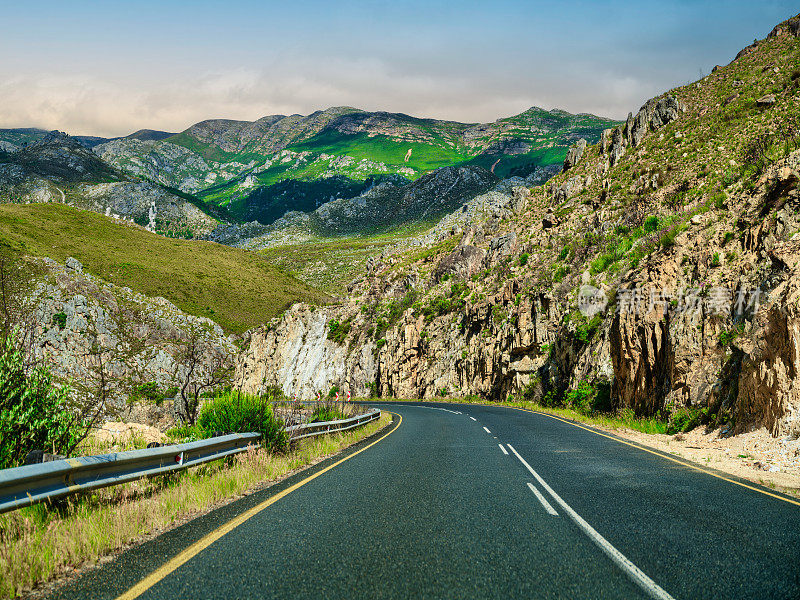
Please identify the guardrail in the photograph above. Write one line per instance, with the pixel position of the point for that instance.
(31, 484)
(311, 429)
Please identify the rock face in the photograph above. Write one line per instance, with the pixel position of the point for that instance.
(81, 321)
(656, 113)
(574, 154)
(307, 360)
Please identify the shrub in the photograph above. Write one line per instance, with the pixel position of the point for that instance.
(586, 330)
(560, 273)
(60, 319)
(523, 259)
(150, 393)
(236, 412)
(338, 331)
(668, 239)
(327, 411)
(715, 262)
(651, 224)
(589, 398)
(34, 412)
(684, 419)
(726, 337)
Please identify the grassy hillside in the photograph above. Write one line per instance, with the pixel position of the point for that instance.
(235, 288)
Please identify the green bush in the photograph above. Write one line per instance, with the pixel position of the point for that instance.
(338, 331)
(523, 259)
(34, 412)
(589, 398)
(236, 412)
(150, 393)
(327, 411)
(715, 262)
(651, 224)
(586, 330)
(684, 419)
(60, 319)
(727, 337)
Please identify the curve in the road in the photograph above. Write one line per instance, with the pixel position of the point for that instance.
(193, 550)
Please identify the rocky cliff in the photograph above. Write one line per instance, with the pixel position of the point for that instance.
(87, 328)
(660, 269)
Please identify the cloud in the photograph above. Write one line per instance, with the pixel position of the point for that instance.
(90, 104)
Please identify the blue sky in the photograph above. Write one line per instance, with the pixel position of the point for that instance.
(109, 68)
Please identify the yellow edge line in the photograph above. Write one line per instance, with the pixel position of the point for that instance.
(657, 453)
(200, 545)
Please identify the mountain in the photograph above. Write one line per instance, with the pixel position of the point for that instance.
(56, 167)
(260, 169)
(148, 135)
(12, 140)
(658, 274)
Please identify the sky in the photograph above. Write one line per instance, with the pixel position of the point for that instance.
(109, 68)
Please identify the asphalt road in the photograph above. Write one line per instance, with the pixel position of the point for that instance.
(488, 503)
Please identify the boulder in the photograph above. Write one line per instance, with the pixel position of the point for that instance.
(73, 264)
(767, 100)
(463, 262)
(501, 246)
(569, 188)
(550, 220)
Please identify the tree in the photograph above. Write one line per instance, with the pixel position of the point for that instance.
(206, 368)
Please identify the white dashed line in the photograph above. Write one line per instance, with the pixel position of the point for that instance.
(503, 449)
(635, 573)
(473, 418)
(486, 429)
(542, 499)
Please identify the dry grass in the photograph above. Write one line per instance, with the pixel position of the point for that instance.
(38, 544)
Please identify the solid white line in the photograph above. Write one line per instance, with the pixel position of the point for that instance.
(473, 418)
(486, 429)
(542, 499)
(503, 449)
(634, 572)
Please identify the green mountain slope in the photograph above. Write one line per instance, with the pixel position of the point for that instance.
(237, 164)
(235, 288)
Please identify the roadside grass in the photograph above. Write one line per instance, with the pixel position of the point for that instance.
(40, 543)
(235, 288)
(624, 419)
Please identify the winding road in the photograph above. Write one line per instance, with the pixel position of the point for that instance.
(470, 501)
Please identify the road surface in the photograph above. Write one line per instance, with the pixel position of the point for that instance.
(469, 501)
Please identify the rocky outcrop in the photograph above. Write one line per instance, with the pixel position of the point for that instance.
(82, 324)
(656, 113)
(295, 355)
(574, 154)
